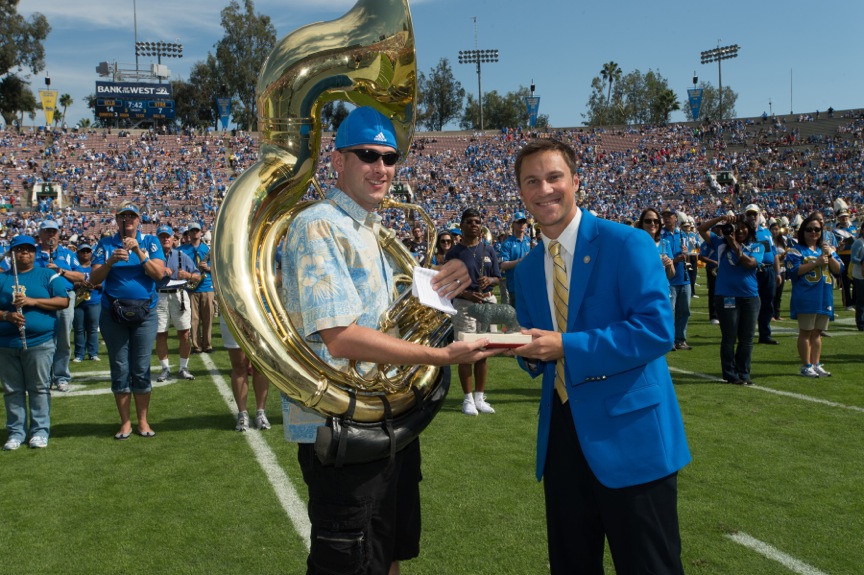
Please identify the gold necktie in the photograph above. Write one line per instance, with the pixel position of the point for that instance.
(561, 293)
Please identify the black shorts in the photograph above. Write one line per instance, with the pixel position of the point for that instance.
(363, 516)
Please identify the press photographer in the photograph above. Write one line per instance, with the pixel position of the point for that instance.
(736, 299)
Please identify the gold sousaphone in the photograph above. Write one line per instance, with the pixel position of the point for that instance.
(367, 58)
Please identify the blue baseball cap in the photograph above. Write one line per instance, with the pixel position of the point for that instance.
(164, 230)
(22, 240)
(126, 207)
(193, 226)
(365, 126)
(85, 247)
(48, 225)
(520, 217)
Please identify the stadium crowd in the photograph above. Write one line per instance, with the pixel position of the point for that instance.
(787, 167)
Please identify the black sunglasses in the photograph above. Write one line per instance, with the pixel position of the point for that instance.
(651, 221)
(813, 230)
(371, 156)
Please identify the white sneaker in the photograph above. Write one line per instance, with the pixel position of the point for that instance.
(11, 445)
(242, 422)
(808, 371)
(261, 421)
(63, 386)
(715, 321)
(38, 442)
(164, 375)
(186, 374)
(482, 406)
(694, 296)
(77, 360)
(468, 407)
(821, 370)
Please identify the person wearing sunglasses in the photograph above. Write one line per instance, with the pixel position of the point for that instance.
(442, 246)
(337, 283)
(736, 299)
(650, 221)
(809, 266)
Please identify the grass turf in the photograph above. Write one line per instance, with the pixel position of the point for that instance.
(778, 467)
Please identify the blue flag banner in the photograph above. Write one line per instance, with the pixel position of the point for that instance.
(695, 97)
(224, 105)
(533, 103)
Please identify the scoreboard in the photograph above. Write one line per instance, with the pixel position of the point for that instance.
(122, 108)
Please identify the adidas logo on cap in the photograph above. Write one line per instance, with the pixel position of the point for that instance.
(381, 137)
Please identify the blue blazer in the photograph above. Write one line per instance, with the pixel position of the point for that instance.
(619, 329)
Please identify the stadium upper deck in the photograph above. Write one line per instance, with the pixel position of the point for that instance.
(787, 165)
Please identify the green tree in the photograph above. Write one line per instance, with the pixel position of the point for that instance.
(636, 98)
(16, 97)
(508, 111)
(196, 98)
(65, 101)
(441, 97)
(610, 73)
(21, 40)
(710, 108)
(333, 114)
(248, 40)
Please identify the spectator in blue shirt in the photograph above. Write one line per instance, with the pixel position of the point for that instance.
(514, 248)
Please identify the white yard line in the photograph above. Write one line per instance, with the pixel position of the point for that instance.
(774, 554)
(711, 378)
(285, 492)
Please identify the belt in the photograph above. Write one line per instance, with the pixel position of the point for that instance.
(167, 290)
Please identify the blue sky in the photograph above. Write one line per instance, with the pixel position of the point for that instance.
(798, 56)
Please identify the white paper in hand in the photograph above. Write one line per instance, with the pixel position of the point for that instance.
(422, 290)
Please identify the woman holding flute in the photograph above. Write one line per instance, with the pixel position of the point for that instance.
(29, 300)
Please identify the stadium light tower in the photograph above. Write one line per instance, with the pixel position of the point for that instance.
(477, 57)
(159, 49)
(719, 54)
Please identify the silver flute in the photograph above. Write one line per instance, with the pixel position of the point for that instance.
(18, 291)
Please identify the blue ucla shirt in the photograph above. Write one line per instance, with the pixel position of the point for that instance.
(733, 279)
(811, 292)
(37, 283)
(128, 280)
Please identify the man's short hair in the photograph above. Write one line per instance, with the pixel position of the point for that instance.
(545, 145)
(471, 213)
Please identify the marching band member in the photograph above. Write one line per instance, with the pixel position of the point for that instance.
(30, 298)
(844, 234)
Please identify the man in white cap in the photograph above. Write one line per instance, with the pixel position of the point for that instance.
(767, 275)
(53, 256)
(202, 296)
(845, 231)
(174, 306)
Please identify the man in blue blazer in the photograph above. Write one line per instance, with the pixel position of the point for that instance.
(611, 441)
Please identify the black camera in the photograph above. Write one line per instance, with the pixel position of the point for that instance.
(727, 229)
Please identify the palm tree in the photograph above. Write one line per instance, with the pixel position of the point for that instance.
(611, 73)
(65, 101)
(666, 103)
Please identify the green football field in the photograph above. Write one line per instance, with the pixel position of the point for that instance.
(776, 485)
